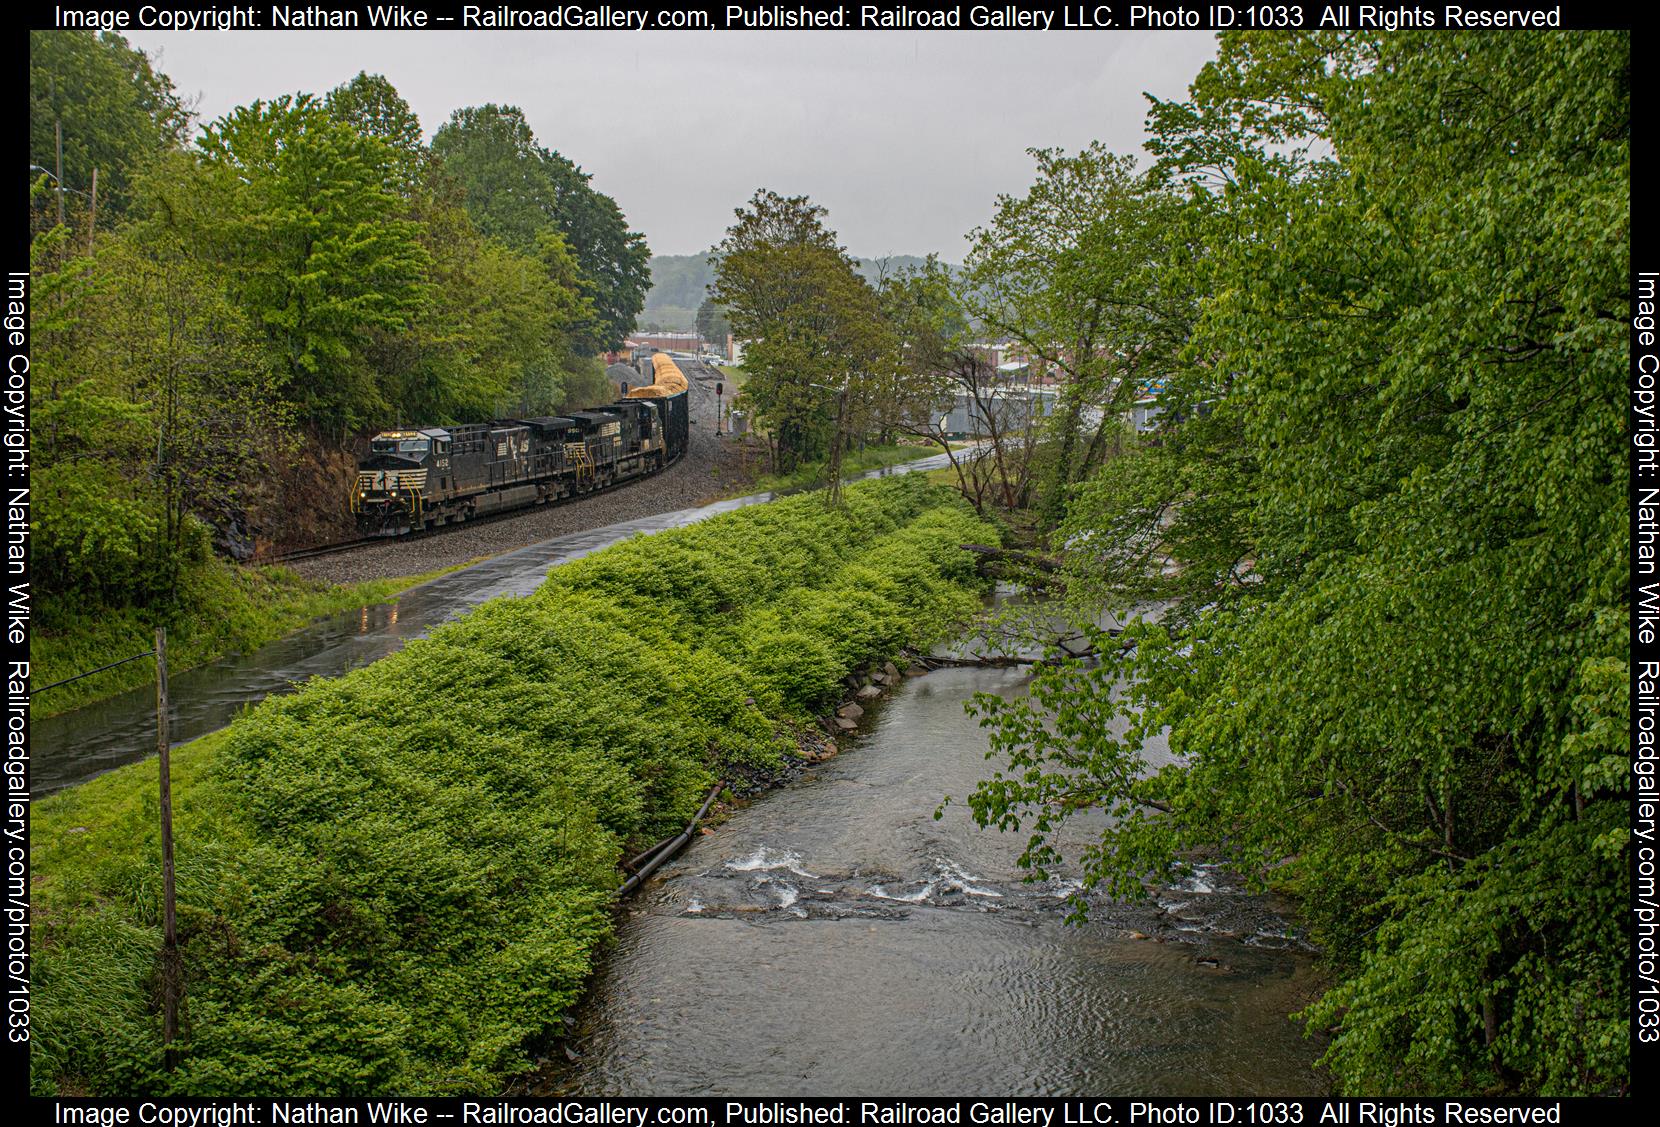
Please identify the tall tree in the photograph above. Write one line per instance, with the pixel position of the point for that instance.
(371, 105)
(516, 190)
(187, 352)
(318, 244)
(937, 363)
(1074, 270)
(94, 527)
(1398, 676)
(114, 110)
(157, 411)
(713, 325)
(817, 337)
(615, 261)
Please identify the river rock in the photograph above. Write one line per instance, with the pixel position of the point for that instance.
(850, 711)
(892, 671)
(845, 724)
(869, 692)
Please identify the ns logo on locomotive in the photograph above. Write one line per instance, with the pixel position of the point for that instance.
(414, 479)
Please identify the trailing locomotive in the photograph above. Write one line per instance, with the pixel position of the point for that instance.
(432, 476)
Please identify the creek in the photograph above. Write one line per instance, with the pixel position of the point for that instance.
(833, 938)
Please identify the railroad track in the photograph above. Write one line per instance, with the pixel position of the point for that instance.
(325, 549)
(423, 533)
(703, 375)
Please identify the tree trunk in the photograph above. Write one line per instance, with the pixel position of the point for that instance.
(1060, 474)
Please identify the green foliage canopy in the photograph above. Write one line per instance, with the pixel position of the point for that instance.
(813, 323)
(517, 191)
(116, 113)
(1395, 668)
(321, 250)
(1081, 271)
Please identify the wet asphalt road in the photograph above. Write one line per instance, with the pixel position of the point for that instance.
(76, 746)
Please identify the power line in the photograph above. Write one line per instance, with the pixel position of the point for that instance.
(90, 672)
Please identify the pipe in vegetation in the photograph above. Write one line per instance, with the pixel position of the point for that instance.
(662, 851)
(634, 864)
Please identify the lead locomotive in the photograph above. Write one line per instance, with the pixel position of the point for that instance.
(424, 478)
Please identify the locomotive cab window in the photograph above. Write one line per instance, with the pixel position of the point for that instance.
(406, 447)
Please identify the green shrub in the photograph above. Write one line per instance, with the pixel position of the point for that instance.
(395, 881)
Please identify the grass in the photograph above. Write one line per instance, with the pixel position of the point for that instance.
(229, 609)
(813, 474)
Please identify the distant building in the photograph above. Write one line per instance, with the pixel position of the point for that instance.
(1145, 412)
(1010, 409)
(669, 342)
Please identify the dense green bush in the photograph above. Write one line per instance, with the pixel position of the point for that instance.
(395, 881)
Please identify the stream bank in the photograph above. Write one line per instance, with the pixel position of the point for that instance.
(833, 937)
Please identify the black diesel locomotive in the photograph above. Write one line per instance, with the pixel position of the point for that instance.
(423, 478)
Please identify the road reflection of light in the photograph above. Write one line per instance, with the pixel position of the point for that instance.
(363, 620)
(394, 619)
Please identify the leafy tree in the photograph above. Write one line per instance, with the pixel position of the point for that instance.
(156, 412)
(94, 530)
(317, 243)
(713, 325)
(116, 112)
(516, 330)
(937, 362)
(1077, 271)
(516, 191)
(1396, 678)
(372, 106)
(509, 189)
(187, 351)
(613, 259)
(817, 336)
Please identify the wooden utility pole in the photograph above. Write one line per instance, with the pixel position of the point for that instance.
(835, 494)
(170, 968)
(92, 219)
(57, 131)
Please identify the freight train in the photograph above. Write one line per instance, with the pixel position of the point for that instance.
(423, 478)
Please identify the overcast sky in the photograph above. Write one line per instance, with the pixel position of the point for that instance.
(906, 137)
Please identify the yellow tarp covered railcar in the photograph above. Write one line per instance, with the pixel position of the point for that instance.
(667, 378)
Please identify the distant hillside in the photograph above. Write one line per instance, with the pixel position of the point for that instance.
(679, 283)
